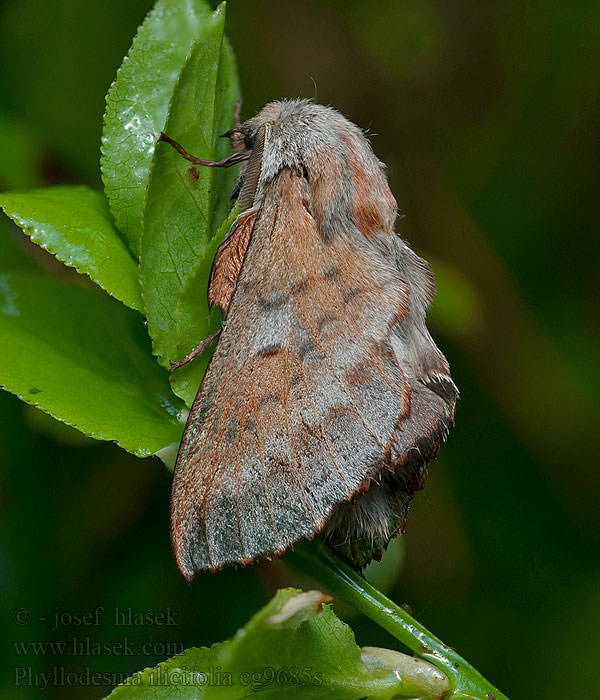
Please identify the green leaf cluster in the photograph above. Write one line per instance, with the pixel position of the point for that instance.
(295, 646)
(148, 241)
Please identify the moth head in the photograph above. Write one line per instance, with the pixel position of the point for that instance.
(242, 138)
(345, 183)
(274, 139)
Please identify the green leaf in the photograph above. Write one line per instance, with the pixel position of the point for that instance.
(74, 224)
(193, 316)
(137, 104)
(182, 212)
(85, 359)
(295, 647)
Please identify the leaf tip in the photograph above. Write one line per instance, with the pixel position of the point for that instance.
(299, 607)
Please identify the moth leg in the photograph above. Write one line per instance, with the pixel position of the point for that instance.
(198, 350)
(234, 158)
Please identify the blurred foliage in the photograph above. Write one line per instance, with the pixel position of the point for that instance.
(486, 116)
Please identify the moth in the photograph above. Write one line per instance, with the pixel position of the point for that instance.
(326, 396)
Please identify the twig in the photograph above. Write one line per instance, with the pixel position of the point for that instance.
(316, 559)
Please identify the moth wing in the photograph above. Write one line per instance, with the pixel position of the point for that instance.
(303, 402)
(228, 261)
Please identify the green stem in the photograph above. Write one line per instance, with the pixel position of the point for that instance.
(316, 559)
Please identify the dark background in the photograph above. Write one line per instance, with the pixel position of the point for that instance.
(485, 115)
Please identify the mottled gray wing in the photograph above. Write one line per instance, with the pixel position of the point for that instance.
(305, 400)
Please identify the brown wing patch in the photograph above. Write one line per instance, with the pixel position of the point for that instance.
(228, 261)
(303, 397)
(372, 205)
(365, 209)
